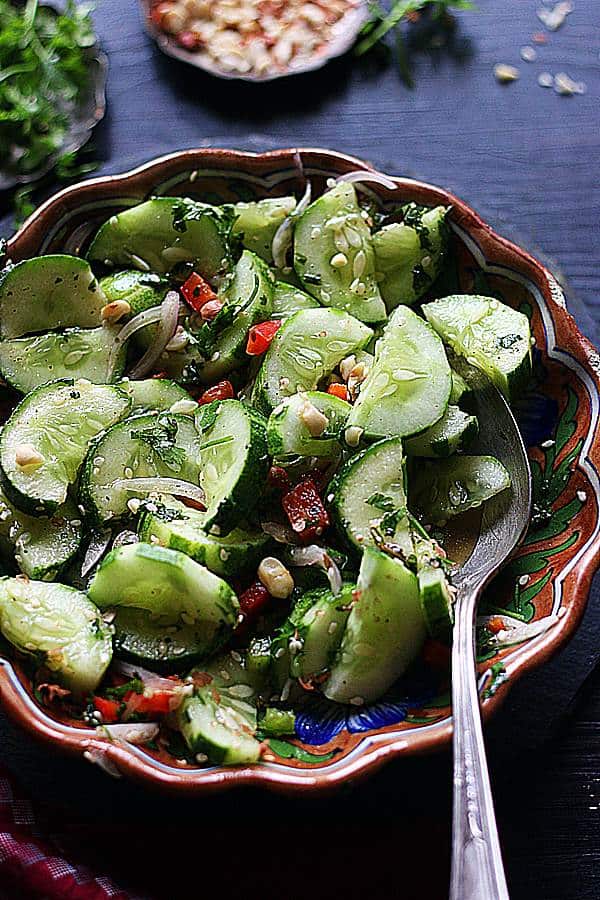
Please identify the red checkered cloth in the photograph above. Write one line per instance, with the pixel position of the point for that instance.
(32, 868)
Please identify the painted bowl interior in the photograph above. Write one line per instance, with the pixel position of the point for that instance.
(547, 580)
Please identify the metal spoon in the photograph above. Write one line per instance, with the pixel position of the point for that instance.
(477, 869)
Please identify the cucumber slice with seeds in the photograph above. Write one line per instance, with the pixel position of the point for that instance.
(156, 445)
(53, 426)
(28, 362)
(384, 632)
(320, 629)
(308, 346)
(233, 461)
(171, 523)
(249, 300)
(41, 547)
(451, 434)
(288, 434)
(446, 488)
(171, 588)
(408, 385)
(257, 221)
(142, 290)
(159, 234)
(492, 336)
(288, 299)
(369, 493)
(55, 291)
(333, 255)
(154, 395)
(60, 627)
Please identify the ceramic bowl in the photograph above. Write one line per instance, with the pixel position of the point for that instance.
(546, 583)
(344, 35)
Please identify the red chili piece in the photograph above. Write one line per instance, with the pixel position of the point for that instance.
(305, 511)
(196, 291)
(108, 709)
(339, 390)
(279, 478)
(260, 337)
(221, 391)
(252, 602)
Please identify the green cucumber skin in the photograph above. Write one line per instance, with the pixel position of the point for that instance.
(410, 258)
(321, 231)
(286, 435)
(454, 432)
(251, 273)
(475, 327)
(472, 480)
(222, 744)
(142, 290)
(305, 327)
(71, 296)
(228, 556)
(140, 640)
(29, 362)
(32, 503)
(257, 222)
(160, 233)
(384, 632)
(60, 627)
(321, 629)
(244, 495)
(101, 510)
(436, 602)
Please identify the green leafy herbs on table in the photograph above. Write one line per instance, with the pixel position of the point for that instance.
(382, 22)
(43, 73)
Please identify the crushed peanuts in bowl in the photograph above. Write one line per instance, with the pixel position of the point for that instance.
(257, 39)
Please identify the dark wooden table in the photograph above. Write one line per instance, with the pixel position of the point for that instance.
(528, 159)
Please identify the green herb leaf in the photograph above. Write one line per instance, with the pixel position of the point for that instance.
(161, 438)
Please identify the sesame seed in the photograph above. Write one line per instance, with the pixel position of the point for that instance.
(581, 495)
(528, 54)
(357, 701)
(545, 445)
(523, 580)
(505, 74)
(545, 80)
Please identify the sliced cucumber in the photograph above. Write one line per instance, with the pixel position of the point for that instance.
(288, 432)
(434, 588)
(173, 524)
(233, 461)
(449, 487)
(384, 632)
(491, 336)
(52, 427)
(161, 233)
(410, 254)
(142, 290)
(155, 395)
(320, 629)
(288, 299)
(156, 445)
(249, 300)
(333, 255)
(55, 291)
(28, 362)
(40, 546)
(141, 639)
(172, 588)
(408, 386)
(460, 389)
(369, 493)
(59, 626)
(450, 434)
(308, 346)
(257, 221)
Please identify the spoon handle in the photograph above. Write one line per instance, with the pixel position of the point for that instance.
(477, 869)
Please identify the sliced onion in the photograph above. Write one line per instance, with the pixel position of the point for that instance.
(157, 485)
(169, 315)
(149, 679)
(282, 240)
(100, 758)
(125, 537)
(313, 555)
(515, 631)
(132, 732)
(375, 177)
(96, 549)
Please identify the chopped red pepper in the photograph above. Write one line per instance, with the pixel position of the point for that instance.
(495, 624)
(223, 390)
(196, 291)
(158, 704)
(305, 511)
(260, 337)
(279, 478)
(252, 602)
(211, 309)
(159, 11)
(108, 709)
(339, 390)
(436, 655)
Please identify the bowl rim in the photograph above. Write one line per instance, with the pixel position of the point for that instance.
(374, 749)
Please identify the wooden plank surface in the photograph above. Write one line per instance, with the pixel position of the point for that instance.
(529, 161)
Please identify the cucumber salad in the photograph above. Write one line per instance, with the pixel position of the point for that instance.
(235, 434)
